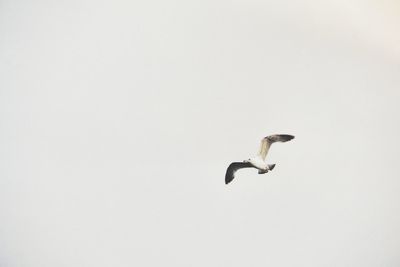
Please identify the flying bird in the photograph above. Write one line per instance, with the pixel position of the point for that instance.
(258, 161)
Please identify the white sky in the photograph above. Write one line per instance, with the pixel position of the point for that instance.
(118, 120)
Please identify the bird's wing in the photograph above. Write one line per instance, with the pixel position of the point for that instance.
(266, 142)
(233, 167)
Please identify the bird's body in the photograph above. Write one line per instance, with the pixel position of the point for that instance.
(258, 161)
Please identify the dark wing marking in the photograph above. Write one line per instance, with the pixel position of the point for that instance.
(280, 137)
(233, 167)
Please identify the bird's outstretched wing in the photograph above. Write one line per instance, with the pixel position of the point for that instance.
(266, 142)
(233, 167)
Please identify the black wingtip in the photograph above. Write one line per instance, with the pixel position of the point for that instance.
(279, 137)
(228, 180)
(288, 136)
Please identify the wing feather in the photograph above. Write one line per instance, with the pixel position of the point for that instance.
(266, 143)
(233, 167)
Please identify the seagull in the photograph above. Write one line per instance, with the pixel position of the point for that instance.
(258, 161)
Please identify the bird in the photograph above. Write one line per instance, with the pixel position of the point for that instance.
(258, 161)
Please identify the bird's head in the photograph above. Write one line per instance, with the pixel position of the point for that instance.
(246, 160)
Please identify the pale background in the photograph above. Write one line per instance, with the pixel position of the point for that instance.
(118, 120)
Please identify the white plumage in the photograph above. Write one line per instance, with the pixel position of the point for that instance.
(258, 161)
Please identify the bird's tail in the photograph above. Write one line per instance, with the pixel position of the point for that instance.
(271, 166)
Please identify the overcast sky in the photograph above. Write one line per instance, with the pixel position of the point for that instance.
(119, 118)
